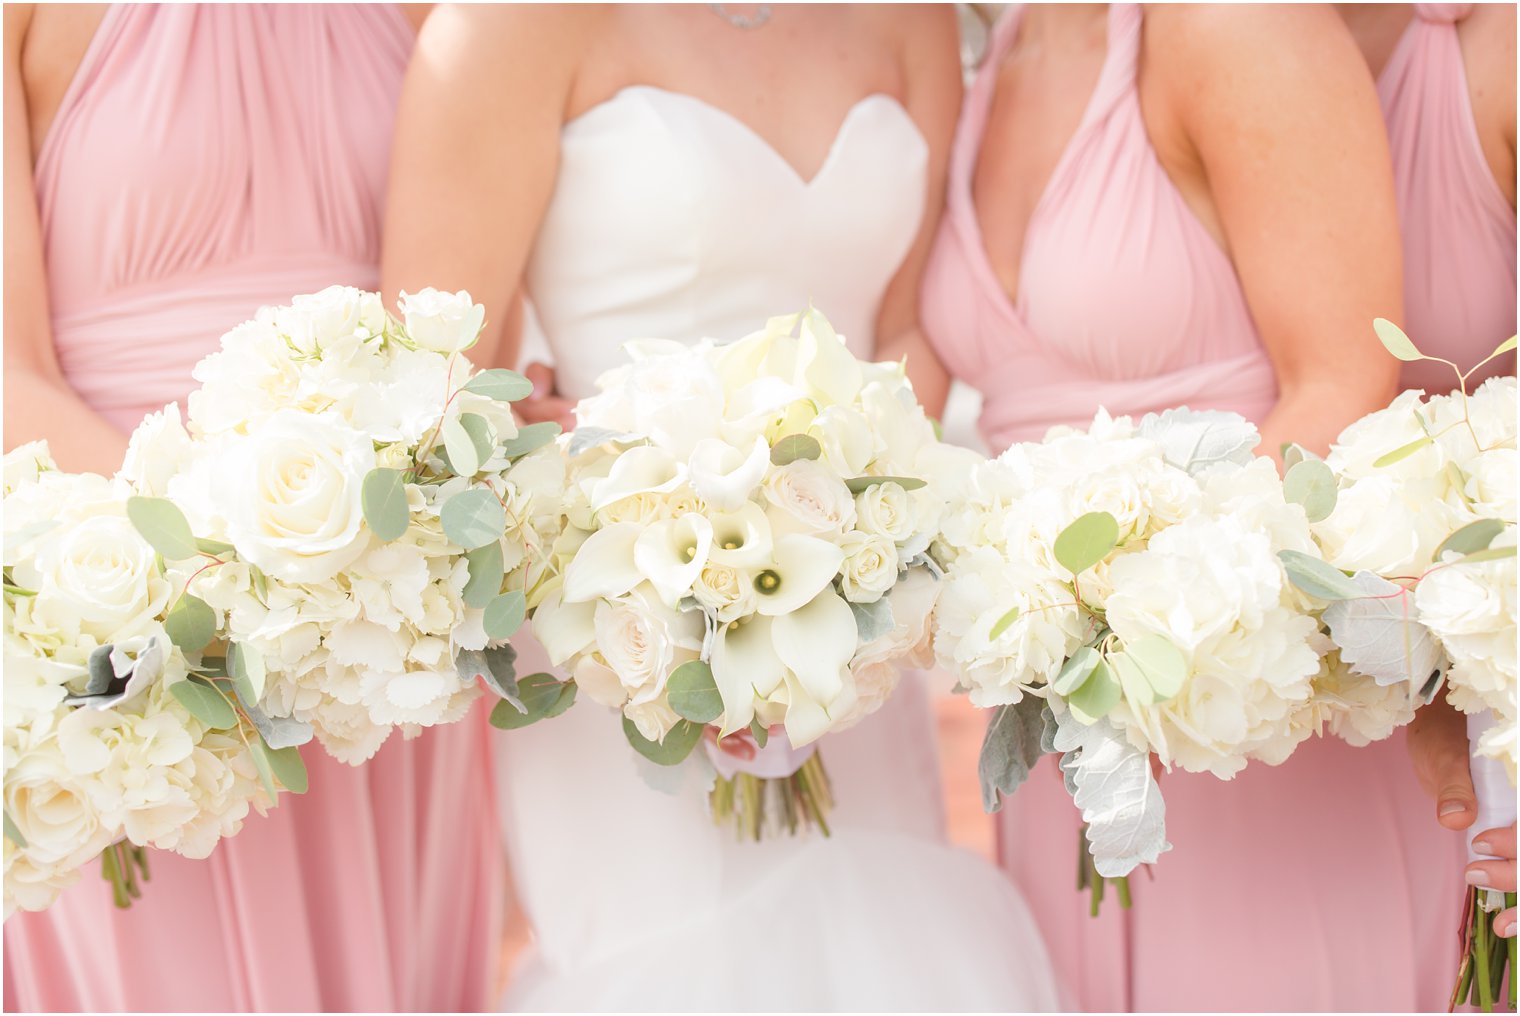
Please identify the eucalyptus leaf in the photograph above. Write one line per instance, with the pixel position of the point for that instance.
(873, 620)
(1504, 347)
(279, 731)
(760, 732)
(1160, 663)
(481, 433)
(163, 526)
(205, 703)
(383, 498)
(1132, 683)
(1470, 539)
(1316, 577)
(1086, 541)
(1402, 452)
(585, 438)
(500, 384)
(1293, 454)
(530, 438)
(1098, 694)
(261, 762)
(678, 742)
(287, 766)
(539, 697)
(504, 614)
(1197, 440)
(693, 693)
(856, 484)
(1395, 341)
(215, 547)
(1004, 623)
(12, 833)
(1076, 670)
(1310, 484)
(463, 458)
(1380, 636)
(245, 665)
(473, 518)
(497, 667)
(485, 575)
(1010, 749)
(190, 623)
(1118, 796)
(794, 447)
(1490, 554)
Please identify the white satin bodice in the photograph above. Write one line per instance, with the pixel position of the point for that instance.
(673, 219)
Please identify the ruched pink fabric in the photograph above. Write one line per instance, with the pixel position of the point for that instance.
(207, 160)
(1459, 229)
(1321, 884)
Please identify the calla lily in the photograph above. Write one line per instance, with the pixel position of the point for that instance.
(846, 439)
(672, 553)
(806, 720)
(599, 682)
(724, 476)
(604, 565)
(801, 567)
(816, 643)
(564, 629)
(637, 471)
(744, 666)
(824, 365)
(741, 539)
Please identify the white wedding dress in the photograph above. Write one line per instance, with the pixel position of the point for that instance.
(672, 219)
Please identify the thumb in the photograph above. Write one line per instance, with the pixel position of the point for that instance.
(541, 376)
(1456, 804)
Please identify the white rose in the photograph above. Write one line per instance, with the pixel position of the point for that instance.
(1492, 482)
(158, 449)
(1382, 525)
(885, 509)
(52, 811)
(1355, 452)
(1471, 608)
(846, 439)
(870, 566)
(808, 498)
(442, 322)
(291, 494)
(726, 591)
(25, 463)
(642, 640)
(314, 322)
(95, 578)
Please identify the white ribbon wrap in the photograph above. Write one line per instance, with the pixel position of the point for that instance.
(776, 761)
(1496, 798)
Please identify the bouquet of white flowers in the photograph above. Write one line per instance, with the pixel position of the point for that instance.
(353, 508)
(116, 738)
(1117, 593)
(1418, 582)
(745, 556)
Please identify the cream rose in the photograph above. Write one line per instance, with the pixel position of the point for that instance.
(291, 494)
(870, 566)
(807, 497)
(442, 322)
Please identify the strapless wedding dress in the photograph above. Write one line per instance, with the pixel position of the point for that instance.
(672, 219)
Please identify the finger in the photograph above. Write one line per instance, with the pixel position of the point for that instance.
(1456, 804)
(1504, 925)
(1498, 842)
(542, 377)
(1498, 875)
(540, 410)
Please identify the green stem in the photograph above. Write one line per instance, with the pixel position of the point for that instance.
(1097, 895)
(1481, 975)
(1509, 950)
(1122, 884)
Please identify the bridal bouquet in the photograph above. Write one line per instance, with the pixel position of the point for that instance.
(745, 558)
(1117, 593)
(1418, 583)
(351, 506)
(116, 736)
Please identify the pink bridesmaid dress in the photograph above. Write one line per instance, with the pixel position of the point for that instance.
(1321, 884)
(207, 160)
(1459, 228)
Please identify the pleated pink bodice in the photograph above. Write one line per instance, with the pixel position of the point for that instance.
(189, 178)
(207, 160)
(1459, 229)
(1125, 300)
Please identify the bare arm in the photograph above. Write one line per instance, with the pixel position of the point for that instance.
(932, 60)
(1276, 105)
(38, 401)
(475, 156)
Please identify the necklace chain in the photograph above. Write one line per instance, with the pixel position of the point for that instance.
(745, 21)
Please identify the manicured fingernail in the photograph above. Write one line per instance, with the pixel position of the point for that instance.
(1482, 847)
(1508, 930)
(1451, 807)
(1476, 876)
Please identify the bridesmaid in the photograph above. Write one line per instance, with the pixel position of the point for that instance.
(1446, 78)
(1193, 206)
(168, 169)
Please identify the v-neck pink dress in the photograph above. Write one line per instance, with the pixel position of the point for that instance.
(1459, 229)
(1321, 884)
(204, 161)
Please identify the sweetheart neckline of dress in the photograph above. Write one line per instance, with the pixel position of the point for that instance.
(830, 158)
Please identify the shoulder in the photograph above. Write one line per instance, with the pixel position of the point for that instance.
(1488, 50)
(477, 43)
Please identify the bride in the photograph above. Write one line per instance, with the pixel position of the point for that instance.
(680, 172)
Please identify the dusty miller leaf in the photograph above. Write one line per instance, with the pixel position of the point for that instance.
(873, 620)
(1196, 440)
(1010, 748)
(1120, 800)
(585, 438)
(1379, 635)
